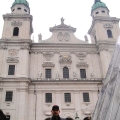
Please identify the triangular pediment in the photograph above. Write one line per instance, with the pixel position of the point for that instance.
(12, 60)
(62, 27)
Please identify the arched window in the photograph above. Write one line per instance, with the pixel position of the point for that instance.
(15, 31)
(109, 33)
(65, 72)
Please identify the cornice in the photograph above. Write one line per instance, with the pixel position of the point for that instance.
(15, 40)
(17, 16)
(102, 19)
(106, 43)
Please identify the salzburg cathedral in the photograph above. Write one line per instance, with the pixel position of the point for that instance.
(62, 70)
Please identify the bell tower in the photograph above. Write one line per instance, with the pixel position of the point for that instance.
(104, 32)
(18, 24)
(104, 27)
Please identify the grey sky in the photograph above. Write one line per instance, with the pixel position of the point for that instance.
(47, 13)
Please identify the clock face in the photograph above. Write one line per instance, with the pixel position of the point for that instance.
(60, 36)
(66, 36)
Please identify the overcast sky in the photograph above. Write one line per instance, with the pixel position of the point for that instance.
(47, 13)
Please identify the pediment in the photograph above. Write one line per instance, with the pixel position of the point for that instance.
(62, 27)
(12, 60)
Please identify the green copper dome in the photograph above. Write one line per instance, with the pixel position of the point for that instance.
(98, 4)
(21, 2)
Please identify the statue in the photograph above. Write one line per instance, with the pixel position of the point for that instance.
(39, 74)
(74, 74)
(57, 74)
(62, 20)
(86, 38)
(39, 38)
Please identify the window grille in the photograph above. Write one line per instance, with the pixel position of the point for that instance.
(48, 73)
(109, 33)
(83, 73)
(67, 97)
(11, 70)
(48, 97)
(86, 97)
(65, 72)
(9, 95)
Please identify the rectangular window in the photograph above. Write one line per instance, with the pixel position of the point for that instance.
(7, 117)
(67, 97)
(48, 73)
(9, 95)
(11, 70)
(48, 97)
(86, 97)
(83, 73)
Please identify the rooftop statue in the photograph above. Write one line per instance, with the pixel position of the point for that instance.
(62, 20)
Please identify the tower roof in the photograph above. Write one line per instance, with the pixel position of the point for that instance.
(98, 4)
(21, 2)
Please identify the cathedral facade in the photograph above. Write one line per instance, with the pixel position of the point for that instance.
(62, 70)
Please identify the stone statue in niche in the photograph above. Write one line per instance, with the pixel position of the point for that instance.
(57, 74)
(39, 75)
(74, 74)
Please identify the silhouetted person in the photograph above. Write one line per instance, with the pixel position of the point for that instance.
(2, 116)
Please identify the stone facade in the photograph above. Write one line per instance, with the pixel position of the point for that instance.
(29, 84)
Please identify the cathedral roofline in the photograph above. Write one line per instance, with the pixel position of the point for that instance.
(62, 27)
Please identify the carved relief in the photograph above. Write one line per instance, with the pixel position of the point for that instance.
(82, 64)
(65, 59)
(25, 47)
(108, 26)
(16, 23)
(66, 36)
(3, 47)
(60, 36)
(48, 64)
(48, 56)
(13, 52)
(81, 54)
(63, 36)
(12, 60)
